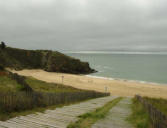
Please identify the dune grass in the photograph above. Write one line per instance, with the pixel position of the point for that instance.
(88, 119)
(160, 104)
(139, 117)
(15, 101)
(7, 84)
(41, 86)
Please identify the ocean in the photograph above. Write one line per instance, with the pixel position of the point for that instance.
(143, 67)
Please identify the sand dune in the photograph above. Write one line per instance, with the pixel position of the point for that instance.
(115, 87)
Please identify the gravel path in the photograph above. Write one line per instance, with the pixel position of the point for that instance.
(116, 118)
(58, 118)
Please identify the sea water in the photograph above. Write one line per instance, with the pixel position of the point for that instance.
(148, 67)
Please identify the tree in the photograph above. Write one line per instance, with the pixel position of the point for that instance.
(3, 46)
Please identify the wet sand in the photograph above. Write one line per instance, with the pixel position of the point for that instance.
(114, 86)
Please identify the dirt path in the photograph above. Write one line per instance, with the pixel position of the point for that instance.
(58, 118)
(116, 118)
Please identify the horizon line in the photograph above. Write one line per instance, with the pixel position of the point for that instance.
(117, 52)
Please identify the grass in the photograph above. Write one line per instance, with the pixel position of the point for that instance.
(5, 116)
(41, 86)
(7, 84)
(160, 104)
(88, 119)
(25, 107)
(139, 117)
(14, 101)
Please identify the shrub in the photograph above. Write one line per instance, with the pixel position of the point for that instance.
(3, 46)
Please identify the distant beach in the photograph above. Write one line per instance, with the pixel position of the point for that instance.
(114, 86)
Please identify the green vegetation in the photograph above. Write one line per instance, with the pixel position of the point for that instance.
(51, 61)
(88, 119)
(20, 95)
(160, 104)
(139, 117)
(41, 86)
(8, 85)
(2, 45)
(5, 116)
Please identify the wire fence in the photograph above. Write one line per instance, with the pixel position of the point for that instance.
(158, 119)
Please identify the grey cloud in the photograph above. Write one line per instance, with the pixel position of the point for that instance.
(84, 24)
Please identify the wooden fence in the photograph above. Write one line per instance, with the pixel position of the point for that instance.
(19, 101)
(20, 80)
(28, 98)
(158, 119)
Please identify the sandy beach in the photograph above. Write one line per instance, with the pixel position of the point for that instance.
(114, 86)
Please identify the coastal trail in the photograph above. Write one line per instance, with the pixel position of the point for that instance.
(116, 118)
(58, 118)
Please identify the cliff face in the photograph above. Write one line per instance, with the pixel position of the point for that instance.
(51, 61)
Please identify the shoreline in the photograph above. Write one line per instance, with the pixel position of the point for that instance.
(116, 87)
(128, 80)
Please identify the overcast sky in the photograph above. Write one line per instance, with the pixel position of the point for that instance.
(84, 24)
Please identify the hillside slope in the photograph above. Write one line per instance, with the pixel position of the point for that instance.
(51, 61)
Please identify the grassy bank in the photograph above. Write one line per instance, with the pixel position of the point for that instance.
(20, 94)
(160, 104)
(7, 84)
(41, 86)
(139, 117)
(88, 119)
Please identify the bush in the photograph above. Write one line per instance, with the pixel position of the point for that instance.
(3, 46)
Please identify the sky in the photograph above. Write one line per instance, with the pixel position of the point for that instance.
(74, 25)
